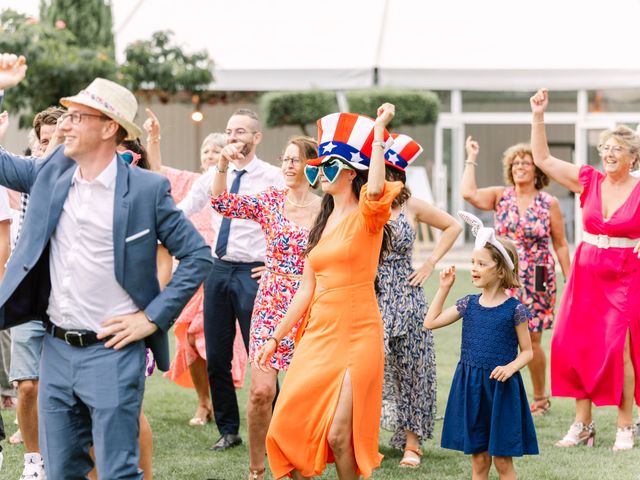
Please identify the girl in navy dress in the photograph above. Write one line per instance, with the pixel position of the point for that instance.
(487, 413)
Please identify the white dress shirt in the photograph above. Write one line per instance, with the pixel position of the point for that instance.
(246, 240)
(84, 289)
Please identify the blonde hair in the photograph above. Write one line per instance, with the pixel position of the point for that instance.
(624, 136)
(510, 278)
(521, 150)
(215, 138)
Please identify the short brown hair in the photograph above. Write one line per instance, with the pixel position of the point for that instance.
(48, 116)
(121, 134)
(246, 112)
(521, 150)
(625, 136)
(510, 277)
(308, 146)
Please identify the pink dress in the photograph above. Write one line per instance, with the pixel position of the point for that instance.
(191, 320)
(600, 304)
(286, 243)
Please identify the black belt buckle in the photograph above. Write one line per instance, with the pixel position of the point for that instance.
(74, 338)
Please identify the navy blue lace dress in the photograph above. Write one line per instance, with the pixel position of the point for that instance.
(484, 414)
(409, 390)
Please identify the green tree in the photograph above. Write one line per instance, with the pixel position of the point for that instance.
(297, 108)
(413, 107)
(90, 21)
(58, 66)
(159, 64)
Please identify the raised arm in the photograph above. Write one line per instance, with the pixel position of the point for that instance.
(152, 126)
(559, 238)
(426, 213)
(483, 198)
(435, 317)
(564, 173)
(12, 70)
(229, 153)
(375, 180)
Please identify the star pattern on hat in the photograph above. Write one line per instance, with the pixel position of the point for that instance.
(329, 147)
(355, 157)
(393, 158)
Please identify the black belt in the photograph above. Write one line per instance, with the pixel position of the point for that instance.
(75, 338)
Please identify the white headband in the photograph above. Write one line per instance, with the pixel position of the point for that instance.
(485, 235)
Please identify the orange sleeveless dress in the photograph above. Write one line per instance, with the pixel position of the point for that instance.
(342, 331)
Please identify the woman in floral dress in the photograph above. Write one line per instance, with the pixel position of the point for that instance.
(531, 218)
(285, 217)
(409, 391)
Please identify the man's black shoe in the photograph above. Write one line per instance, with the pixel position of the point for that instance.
(226, 441)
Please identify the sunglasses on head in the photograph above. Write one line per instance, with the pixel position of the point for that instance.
(131, 157)
(330, 169)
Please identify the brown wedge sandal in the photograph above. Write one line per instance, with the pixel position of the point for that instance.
(411, 461)
(540, 406)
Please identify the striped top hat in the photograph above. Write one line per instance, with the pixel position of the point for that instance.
(348, 136)
(402, 152)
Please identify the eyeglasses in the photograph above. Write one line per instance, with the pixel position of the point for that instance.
(330, 169)
(613, 149)
(518, 163)
(76, 117)
(238, 132)
(292, 160)
(131, 157)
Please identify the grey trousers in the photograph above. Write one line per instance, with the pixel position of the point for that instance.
(6, 388)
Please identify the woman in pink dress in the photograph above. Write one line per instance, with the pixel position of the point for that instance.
(285, 215)
(595, 351)
(189, 367)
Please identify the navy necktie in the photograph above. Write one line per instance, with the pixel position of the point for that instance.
(225, 226)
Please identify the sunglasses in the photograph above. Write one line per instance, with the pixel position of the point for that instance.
(131, 157)
(330, 169)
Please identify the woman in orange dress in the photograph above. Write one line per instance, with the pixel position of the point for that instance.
(333, 389)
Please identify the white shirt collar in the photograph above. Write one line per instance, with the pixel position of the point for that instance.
(249, 167)
(107, 177)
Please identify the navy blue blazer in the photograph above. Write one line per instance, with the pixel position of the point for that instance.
(142, 203)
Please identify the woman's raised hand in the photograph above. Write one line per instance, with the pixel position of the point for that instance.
(448, 276)
(151, 125)
(540, 101)
(472, 147)
(12, 69)
(385, 114)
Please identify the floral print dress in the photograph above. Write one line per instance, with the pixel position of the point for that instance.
(286, 243)
(409, 390)
(531, 234)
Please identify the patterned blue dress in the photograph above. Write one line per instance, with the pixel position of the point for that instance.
(484, 414)
(409, 391)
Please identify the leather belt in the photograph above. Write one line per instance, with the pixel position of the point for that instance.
(604, 241)
(75, 338)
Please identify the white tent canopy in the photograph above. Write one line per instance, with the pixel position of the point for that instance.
(348, 44)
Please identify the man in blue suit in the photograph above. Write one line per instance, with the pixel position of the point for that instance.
(85, 264)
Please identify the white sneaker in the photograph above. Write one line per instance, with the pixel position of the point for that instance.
(33, 467)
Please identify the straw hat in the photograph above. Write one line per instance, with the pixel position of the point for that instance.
(113, 100)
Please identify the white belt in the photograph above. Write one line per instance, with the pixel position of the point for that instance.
(604, 241)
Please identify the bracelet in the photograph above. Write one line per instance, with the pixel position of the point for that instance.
(154, 139)
(275, 340)
(221, 171)
(378, 143)
(471, 162)
(538, 123)
(433, 260)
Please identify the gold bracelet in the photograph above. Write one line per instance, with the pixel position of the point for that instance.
(538, 123)
(154, 139)
(221, 171)
(471, 162)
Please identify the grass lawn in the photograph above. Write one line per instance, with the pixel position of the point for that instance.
(181, 451)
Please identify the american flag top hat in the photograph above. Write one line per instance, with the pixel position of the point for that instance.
(348, 136)
(402, 152)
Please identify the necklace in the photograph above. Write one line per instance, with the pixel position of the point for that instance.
(305, 205)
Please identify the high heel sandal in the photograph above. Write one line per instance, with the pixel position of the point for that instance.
(540, 406)
(254, 473)
(200, 420)
(624, 438)
(579, 434)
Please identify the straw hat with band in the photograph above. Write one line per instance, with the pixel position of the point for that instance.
(111, 99)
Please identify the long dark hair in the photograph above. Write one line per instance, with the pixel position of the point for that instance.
(136, 146)
(326, 207)
(396, 175)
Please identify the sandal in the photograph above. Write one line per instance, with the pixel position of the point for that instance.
(16, 438)
(199, 419)
(410, 461)
(540, 406)
(578, 434)
(256, 474)
(624, 438)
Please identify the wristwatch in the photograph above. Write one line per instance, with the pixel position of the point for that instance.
(221, 171)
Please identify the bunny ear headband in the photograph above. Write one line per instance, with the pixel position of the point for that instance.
(484, 235)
